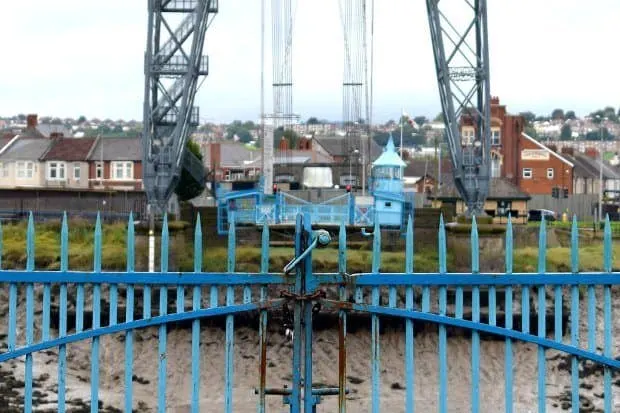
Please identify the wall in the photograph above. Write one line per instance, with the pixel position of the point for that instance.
(37, 180)
(539, 184)
(107, 183)
(581, 205)
(54, 202)
(69, 182)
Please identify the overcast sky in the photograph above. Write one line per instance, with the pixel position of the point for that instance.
(74, 57)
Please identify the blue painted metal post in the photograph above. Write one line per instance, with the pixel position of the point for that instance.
(129, 317)
(94, 361)
(574, 317)
(295, 400)
(163, 310)
(409, 337)
(508, 369)
(230, 326)
(62, 350)
(542, 314)
(30, 253)
(195, 393)
(443, 337)
(308, 288)
(342, 322)
(475, 335)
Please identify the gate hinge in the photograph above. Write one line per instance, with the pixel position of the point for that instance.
(306, 297)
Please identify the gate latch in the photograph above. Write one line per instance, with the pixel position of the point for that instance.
(320, 238)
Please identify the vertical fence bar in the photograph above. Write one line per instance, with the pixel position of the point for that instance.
(30, 255)
(296, 383)
(342, 322)
(508, 367)
(376, 351)
(262, 328)
(542, 314)
(1, 238)
(129, 306)
(62, 328)
(230, 326)
(196, 322)
(475, 335)
(94, 356)
(574, 317)
(443, 335)
(163, 330)
(409, 337)
(309, 404)
(607, 314)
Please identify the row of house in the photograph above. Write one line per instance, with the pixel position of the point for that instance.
(32, 160)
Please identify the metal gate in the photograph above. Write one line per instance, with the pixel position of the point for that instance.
(298, 295)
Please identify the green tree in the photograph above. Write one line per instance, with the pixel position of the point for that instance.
(420, 120)
(439, 117)
(81, 119)
(21, 117)
(566, 133)
(528, 116)
(557, 114)
(312, 121)
(188, 188)
(570, 115)
(531, 131)
(610, 113)
(240, 129)
(290, 135)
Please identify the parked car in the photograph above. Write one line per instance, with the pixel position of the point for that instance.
(537, 214)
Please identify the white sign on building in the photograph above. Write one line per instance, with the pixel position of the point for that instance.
(535, 155)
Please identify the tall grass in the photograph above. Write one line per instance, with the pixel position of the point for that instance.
(81, 242)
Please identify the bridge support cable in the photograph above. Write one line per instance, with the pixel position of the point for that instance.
(173, 65)
(282, 118)
(459, 36)
(354, 85)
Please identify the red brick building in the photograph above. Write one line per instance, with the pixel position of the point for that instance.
(533, 167)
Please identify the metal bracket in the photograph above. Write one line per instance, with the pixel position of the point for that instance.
(320, 238)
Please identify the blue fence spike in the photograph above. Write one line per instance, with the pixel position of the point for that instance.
(376, 246)
(442, 245)
(1, 243)
(509, 245)
(163, 331)
(30, 247)
(342, 249)
(198, 245)
(264, 262)
(475, 247)
(607, 265)
(542, 246)
(574, 251)
(409, 251)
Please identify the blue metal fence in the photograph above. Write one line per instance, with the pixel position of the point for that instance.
(382, 295)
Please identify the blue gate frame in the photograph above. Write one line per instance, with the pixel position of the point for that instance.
(308, 292)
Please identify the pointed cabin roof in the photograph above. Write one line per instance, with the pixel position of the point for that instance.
(389, 157)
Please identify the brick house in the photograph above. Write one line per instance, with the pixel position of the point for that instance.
(116, 163)
(517, 157)
(66, 163)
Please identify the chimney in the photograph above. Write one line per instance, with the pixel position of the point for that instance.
(592, 153)
(216, 156)
(284, 144)
(494, 100)
(553, 147)
(567, 150)
(31, 121)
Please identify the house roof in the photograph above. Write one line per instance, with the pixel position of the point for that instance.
(389, 157)
(336, 145)
(69, 149)
(26, 149)
(117, 149)
(586, 167)
(5, 139)
(552, 153)
(47, 129)
(418, 167)
(499, 189)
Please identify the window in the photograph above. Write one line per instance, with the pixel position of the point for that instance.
(25, 170)
(4, 170)
(467, 138)
(56, 171)
(496, 137)
(99, 170)
(122, 170)
(496, 166)
(77, 171)
(527, 173)
(550, 173)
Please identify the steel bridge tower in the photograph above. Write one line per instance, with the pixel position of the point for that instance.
(460, 44)
(173, 65)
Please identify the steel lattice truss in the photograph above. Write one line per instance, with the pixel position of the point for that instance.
(460, 46)
(173, 65)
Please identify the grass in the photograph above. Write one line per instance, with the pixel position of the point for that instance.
(248, 258)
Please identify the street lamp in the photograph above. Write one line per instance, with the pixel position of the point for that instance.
(600, 170)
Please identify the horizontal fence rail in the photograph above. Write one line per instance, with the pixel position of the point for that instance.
(54, 310)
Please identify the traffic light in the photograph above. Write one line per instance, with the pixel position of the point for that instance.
(555, 192)
(565, 192)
